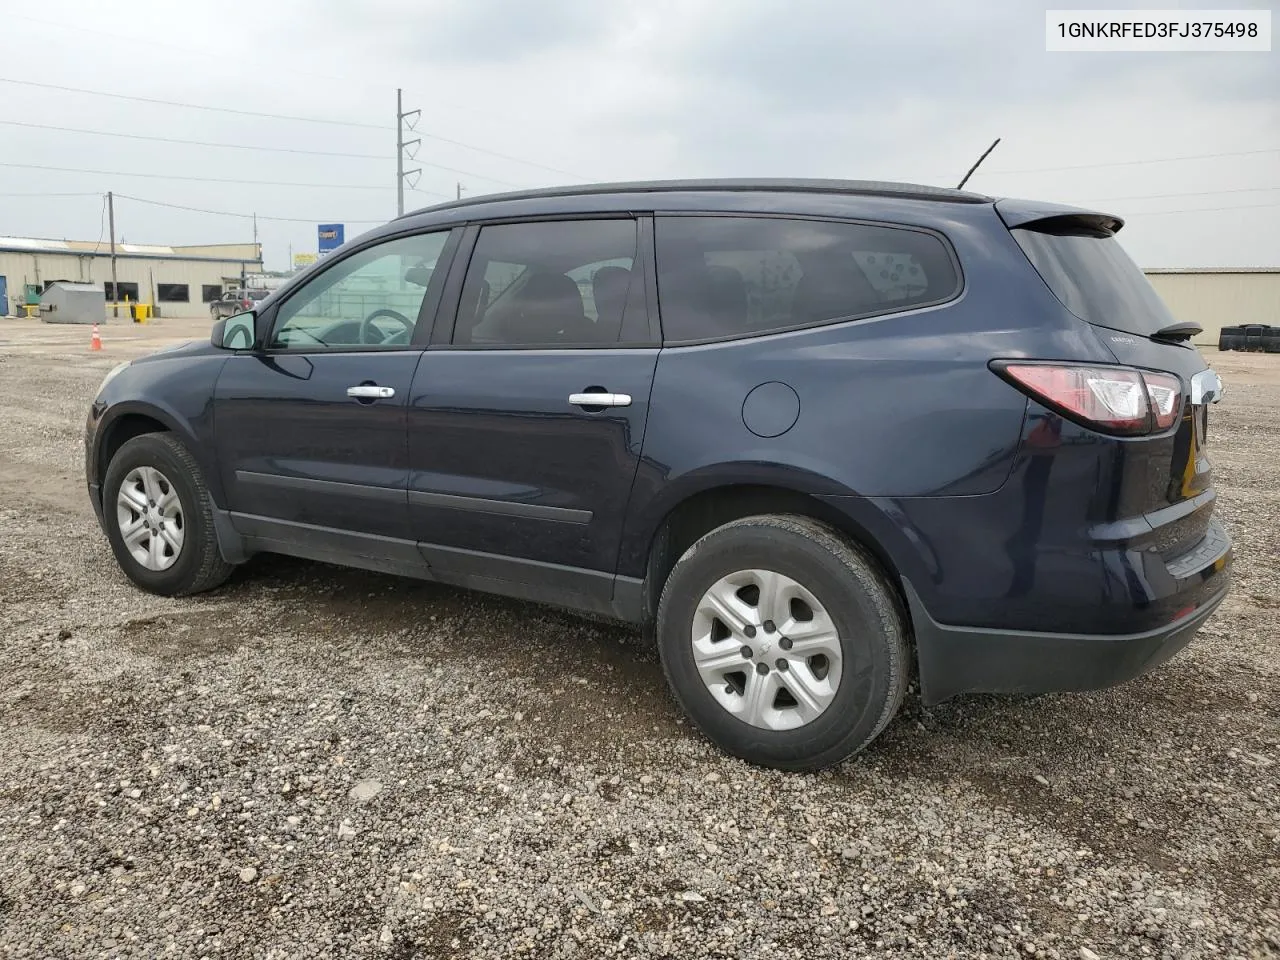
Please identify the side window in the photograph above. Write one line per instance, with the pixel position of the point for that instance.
(722, 277)
(369, 299)
(550, 284)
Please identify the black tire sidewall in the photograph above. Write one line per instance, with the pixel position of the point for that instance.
(151, 450)
(867, 681)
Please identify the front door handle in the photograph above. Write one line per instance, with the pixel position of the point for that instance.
(370, 392)
(600, 399)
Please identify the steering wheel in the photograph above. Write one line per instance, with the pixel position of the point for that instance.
(367, 329)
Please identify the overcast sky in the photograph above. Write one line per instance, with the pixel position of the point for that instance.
(600, 90)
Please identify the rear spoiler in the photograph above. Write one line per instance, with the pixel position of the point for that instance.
(1027, 213)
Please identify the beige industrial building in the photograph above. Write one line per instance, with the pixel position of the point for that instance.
(179, 281)
(1220, 297)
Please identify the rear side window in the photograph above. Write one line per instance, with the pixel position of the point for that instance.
(721, 277)
(573, 283)
(1093, 277)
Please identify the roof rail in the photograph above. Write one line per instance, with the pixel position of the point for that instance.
(867, 188)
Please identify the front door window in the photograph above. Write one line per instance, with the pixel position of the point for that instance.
(372, 299)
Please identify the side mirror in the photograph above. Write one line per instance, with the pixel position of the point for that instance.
(236, 333)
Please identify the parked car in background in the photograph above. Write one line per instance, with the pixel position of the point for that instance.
(817, 437)
(235, 301)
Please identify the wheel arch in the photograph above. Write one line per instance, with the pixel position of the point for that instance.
(704, 509)
(126, 420)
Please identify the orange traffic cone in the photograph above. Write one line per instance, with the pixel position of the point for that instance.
(95, 341)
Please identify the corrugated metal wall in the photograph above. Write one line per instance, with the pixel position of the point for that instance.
(1220, 299)
(22, 268)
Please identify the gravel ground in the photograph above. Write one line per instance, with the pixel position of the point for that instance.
(314, 762)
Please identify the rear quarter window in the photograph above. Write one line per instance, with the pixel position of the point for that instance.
(725, 277)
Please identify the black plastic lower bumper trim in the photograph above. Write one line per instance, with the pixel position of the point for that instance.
(955, 660)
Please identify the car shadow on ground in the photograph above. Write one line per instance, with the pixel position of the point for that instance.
(586, 661)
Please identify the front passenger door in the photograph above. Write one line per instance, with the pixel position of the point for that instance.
(310, 430)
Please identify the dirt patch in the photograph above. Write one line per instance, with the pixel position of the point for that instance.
(190, 633)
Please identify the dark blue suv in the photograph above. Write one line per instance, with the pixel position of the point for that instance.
(814, 435)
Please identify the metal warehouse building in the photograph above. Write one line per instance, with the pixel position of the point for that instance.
(180, 281)
(1220, 297)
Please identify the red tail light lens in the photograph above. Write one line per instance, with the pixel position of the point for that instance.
(1117, 400)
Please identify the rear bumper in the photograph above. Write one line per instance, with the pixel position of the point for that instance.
(955, 660)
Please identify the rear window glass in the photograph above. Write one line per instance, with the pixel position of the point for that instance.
(1093, 277)
(721, 277)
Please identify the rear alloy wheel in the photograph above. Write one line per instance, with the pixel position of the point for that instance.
(766, 649)
(783, 642)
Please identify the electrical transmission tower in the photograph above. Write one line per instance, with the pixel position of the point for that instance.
(402, 147)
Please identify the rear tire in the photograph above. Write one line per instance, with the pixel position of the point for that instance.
(815, 576)
(196, 565)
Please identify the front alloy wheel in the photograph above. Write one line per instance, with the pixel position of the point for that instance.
(158, 516)
(149, 513)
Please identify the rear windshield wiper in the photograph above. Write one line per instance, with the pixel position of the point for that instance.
(1182, 330)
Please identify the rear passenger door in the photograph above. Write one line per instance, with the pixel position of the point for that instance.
(526, 419)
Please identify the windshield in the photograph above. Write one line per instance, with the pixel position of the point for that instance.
(1093, 277)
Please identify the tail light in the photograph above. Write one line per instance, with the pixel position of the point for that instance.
(1119, 400)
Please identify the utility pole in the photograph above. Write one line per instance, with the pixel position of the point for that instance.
(459, 196)
(401, 146)
(111, 220)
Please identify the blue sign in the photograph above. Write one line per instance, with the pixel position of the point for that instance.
(329, 236)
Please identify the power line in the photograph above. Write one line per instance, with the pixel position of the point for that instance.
(504, 156)
(279, 116)
(465, 173)
(192, 106)
(102, 224)
(228, 213)
(50, 194)
(151, 44)
(194, 143)
(1133, 163)
(244, 146)
(1165, 196)
(175, 176)
(1161, 213)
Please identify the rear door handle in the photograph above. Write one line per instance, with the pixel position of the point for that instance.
(368, 392)
(600, 399)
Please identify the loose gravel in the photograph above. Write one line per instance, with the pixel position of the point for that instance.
(317, 762)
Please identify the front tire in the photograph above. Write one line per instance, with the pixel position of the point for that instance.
(159, 518)
(783, 642)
